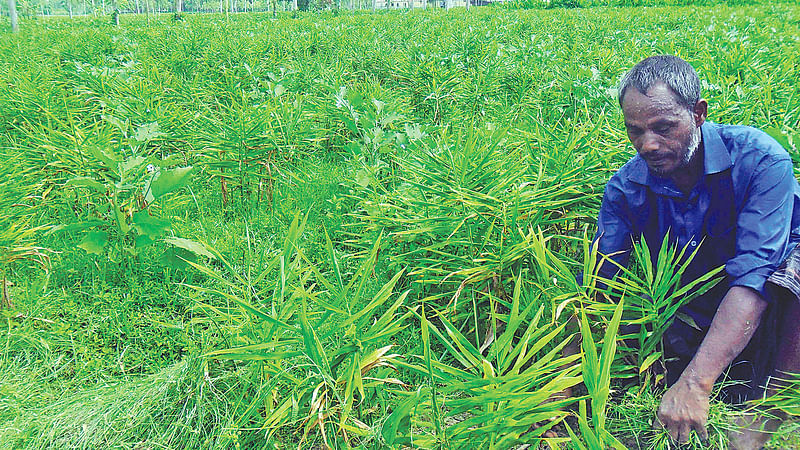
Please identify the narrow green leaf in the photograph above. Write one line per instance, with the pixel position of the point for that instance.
(649, 361)
(87, 182)
(311, 342)
(380, 298)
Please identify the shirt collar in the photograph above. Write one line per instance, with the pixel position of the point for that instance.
(716, 158)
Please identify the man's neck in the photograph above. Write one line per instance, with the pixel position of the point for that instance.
(687, 178)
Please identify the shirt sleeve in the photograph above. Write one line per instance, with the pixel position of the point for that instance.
(763, 225)
(614, 230)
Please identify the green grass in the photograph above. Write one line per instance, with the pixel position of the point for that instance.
(455, 158)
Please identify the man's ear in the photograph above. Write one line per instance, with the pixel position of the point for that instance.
(700, 112)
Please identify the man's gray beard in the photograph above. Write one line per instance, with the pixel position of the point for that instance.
(691, 149)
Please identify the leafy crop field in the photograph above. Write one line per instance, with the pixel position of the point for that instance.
(344, 230)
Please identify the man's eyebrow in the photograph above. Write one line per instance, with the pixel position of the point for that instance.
(664, 121)
(661, 122)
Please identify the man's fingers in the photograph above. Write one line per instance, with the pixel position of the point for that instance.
(702, 431)
(680, 431)
(699, 426)
(674, 432)
(672, 429)
(683, 437)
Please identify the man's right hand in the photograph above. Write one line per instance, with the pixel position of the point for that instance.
(684, 408)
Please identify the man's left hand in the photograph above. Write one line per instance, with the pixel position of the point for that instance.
(684, 408)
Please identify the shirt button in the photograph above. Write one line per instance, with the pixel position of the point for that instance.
(693, 243)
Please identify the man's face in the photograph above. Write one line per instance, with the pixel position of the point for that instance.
(665, 134)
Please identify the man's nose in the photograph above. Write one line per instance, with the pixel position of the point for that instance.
(649, 143)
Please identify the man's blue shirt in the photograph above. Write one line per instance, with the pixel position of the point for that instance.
(744, 212)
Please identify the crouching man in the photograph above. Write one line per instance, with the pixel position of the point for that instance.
(731, 191)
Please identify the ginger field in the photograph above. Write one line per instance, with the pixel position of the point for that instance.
(344, 229)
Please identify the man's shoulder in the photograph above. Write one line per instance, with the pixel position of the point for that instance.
(746, 143)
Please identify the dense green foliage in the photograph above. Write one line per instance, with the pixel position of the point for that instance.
(29, 8)
(342, 229)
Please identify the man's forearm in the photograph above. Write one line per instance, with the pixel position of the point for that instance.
(735, 322)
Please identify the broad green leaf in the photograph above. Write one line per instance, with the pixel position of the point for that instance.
(142, 240)
(149, 226)
(94, 241)
(132, 163)
(147, 132)
(169, 161)
(363, 178)
(176, 258)
(122, 126)
(193, 246)
(108, 160)
(779, 136)
(169, 180)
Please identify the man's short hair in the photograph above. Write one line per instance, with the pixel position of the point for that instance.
(676, 73)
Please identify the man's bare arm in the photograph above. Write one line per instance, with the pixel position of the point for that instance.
(685, 405)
